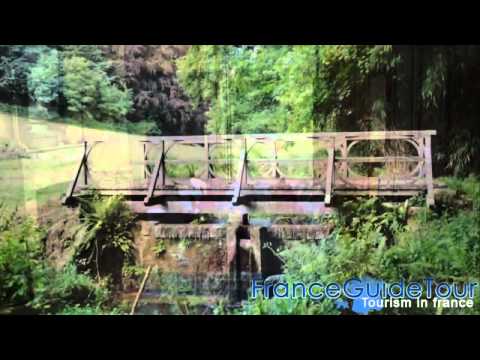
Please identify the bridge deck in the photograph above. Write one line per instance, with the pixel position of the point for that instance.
(279, 173)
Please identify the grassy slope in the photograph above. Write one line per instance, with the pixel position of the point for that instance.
(43, 175)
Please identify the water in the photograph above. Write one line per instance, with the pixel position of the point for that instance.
(159, 303)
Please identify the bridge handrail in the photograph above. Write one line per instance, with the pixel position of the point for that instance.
(365, 135)
(334, 142)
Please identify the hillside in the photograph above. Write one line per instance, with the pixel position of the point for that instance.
(47, 155)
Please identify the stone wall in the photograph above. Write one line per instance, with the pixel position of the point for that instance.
(219, 259)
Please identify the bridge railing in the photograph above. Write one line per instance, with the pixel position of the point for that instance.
(281, 164)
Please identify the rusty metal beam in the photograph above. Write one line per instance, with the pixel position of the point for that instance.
(226, 208)
(207, 158)
(256, 193)
(240, 178)
(158, 172)
(83, 166)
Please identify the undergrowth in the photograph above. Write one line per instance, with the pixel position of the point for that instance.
(29, 283)
(381, 241)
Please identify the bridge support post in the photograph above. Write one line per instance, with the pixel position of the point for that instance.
(276, 173)
(145, 161)
(241, 178)
(207, 157)
(158, 173)
(82, 166)
(428, 170)
(85, 165)
(329, 175)
(343, 150)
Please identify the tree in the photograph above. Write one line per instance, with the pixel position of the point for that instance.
(45, 79)
(15, 64)
(282, 88)
(239, 85)
(150, 72)
(115, 102)
(92, 53)
(90, 93)
(81, 86)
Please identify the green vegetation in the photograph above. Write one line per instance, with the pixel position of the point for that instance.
(280, 88)
(171, 284)
(255, 89)
(89, 310)
(43, 80)
(376, 241)
(88, 91)
(262, 306)
(77, 81)
(185, 90)
(160, 247)
(106, 230)
(29, 283)
(109, 83)
(102, 246)
(133, 270)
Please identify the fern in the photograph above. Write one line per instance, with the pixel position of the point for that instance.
(107, 224)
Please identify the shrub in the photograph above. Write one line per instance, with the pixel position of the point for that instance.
(107, 224)
(20, 249)
(159, 248)
(55, 290)
(288, 306)
(372, 240)
(446, 248)
(89, 310)
(26, 277)
(468, 187)
(114, 102)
